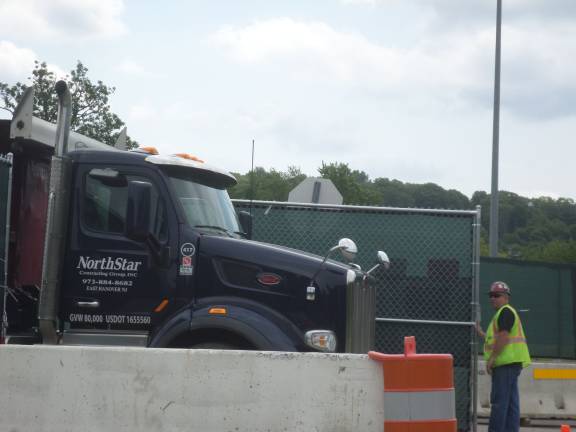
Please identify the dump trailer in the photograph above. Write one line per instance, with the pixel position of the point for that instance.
(106, 246)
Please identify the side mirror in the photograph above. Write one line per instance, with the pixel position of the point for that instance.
(383, 260)
(246, 222)
(348, 249)
(138, 210)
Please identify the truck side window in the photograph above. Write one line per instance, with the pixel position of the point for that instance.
(105, 202)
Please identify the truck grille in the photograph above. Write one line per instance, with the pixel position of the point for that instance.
(360, 316)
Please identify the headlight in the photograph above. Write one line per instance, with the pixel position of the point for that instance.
(323, 340)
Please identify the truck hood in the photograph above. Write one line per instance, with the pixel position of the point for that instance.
(277, 277)
(271, 258)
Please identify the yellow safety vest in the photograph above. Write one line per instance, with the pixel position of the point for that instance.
(516, 350)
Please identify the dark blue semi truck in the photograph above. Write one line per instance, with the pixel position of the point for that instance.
(132, 248)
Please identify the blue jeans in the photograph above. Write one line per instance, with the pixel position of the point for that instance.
(504, 398)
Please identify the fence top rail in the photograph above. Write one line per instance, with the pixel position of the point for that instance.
(360, 208)
(529, 263)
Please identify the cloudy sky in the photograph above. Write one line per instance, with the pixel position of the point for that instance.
(401, 89)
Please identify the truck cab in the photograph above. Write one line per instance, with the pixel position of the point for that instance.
(151, 253)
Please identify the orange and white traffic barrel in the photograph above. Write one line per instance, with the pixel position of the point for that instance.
(418, 390)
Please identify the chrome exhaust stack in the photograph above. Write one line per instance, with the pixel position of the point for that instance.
(56, 226)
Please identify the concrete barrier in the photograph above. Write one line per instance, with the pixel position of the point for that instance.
(545, 391)
(46, 388)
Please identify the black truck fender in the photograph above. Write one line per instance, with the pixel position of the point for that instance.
(243, 327)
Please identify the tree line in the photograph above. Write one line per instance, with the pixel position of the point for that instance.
(538, 229)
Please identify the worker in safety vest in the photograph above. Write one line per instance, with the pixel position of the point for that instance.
(506, 353)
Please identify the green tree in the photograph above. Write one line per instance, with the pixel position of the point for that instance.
(341, 175)
(430, 195)
(555, 251)
(484, 246)
(393, 193)
(355, 186)
(538, 229)
(91, 114)
(294, 176)
(265, 185)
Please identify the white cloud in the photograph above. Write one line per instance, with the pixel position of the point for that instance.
(61, 19)
(17, 63)
(360, 2)
(142, 112)
(130, 67)
(452, 65)
(455, 11)
(316, 51)
(306, 46)
(547, 51)
(538, 69)
(57, 70)
(176, 111)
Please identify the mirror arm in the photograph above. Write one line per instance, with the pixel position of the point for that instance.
(332, 249)
(385, 264)
(373, 268)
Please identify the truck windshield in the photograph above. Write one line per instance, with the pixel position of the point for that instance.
(205, 205)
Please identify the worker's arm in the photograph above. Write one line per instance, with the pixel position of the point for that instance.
(480, 331)
(500, 341)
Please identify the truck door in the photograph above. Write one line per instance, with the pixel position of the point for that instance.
(112, 284)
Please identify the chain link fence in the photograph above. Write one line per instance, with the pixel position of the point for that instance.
(550, 326)
(431, 288)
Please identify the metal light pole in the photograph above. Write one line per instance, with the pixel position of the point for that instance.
(495, 139)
